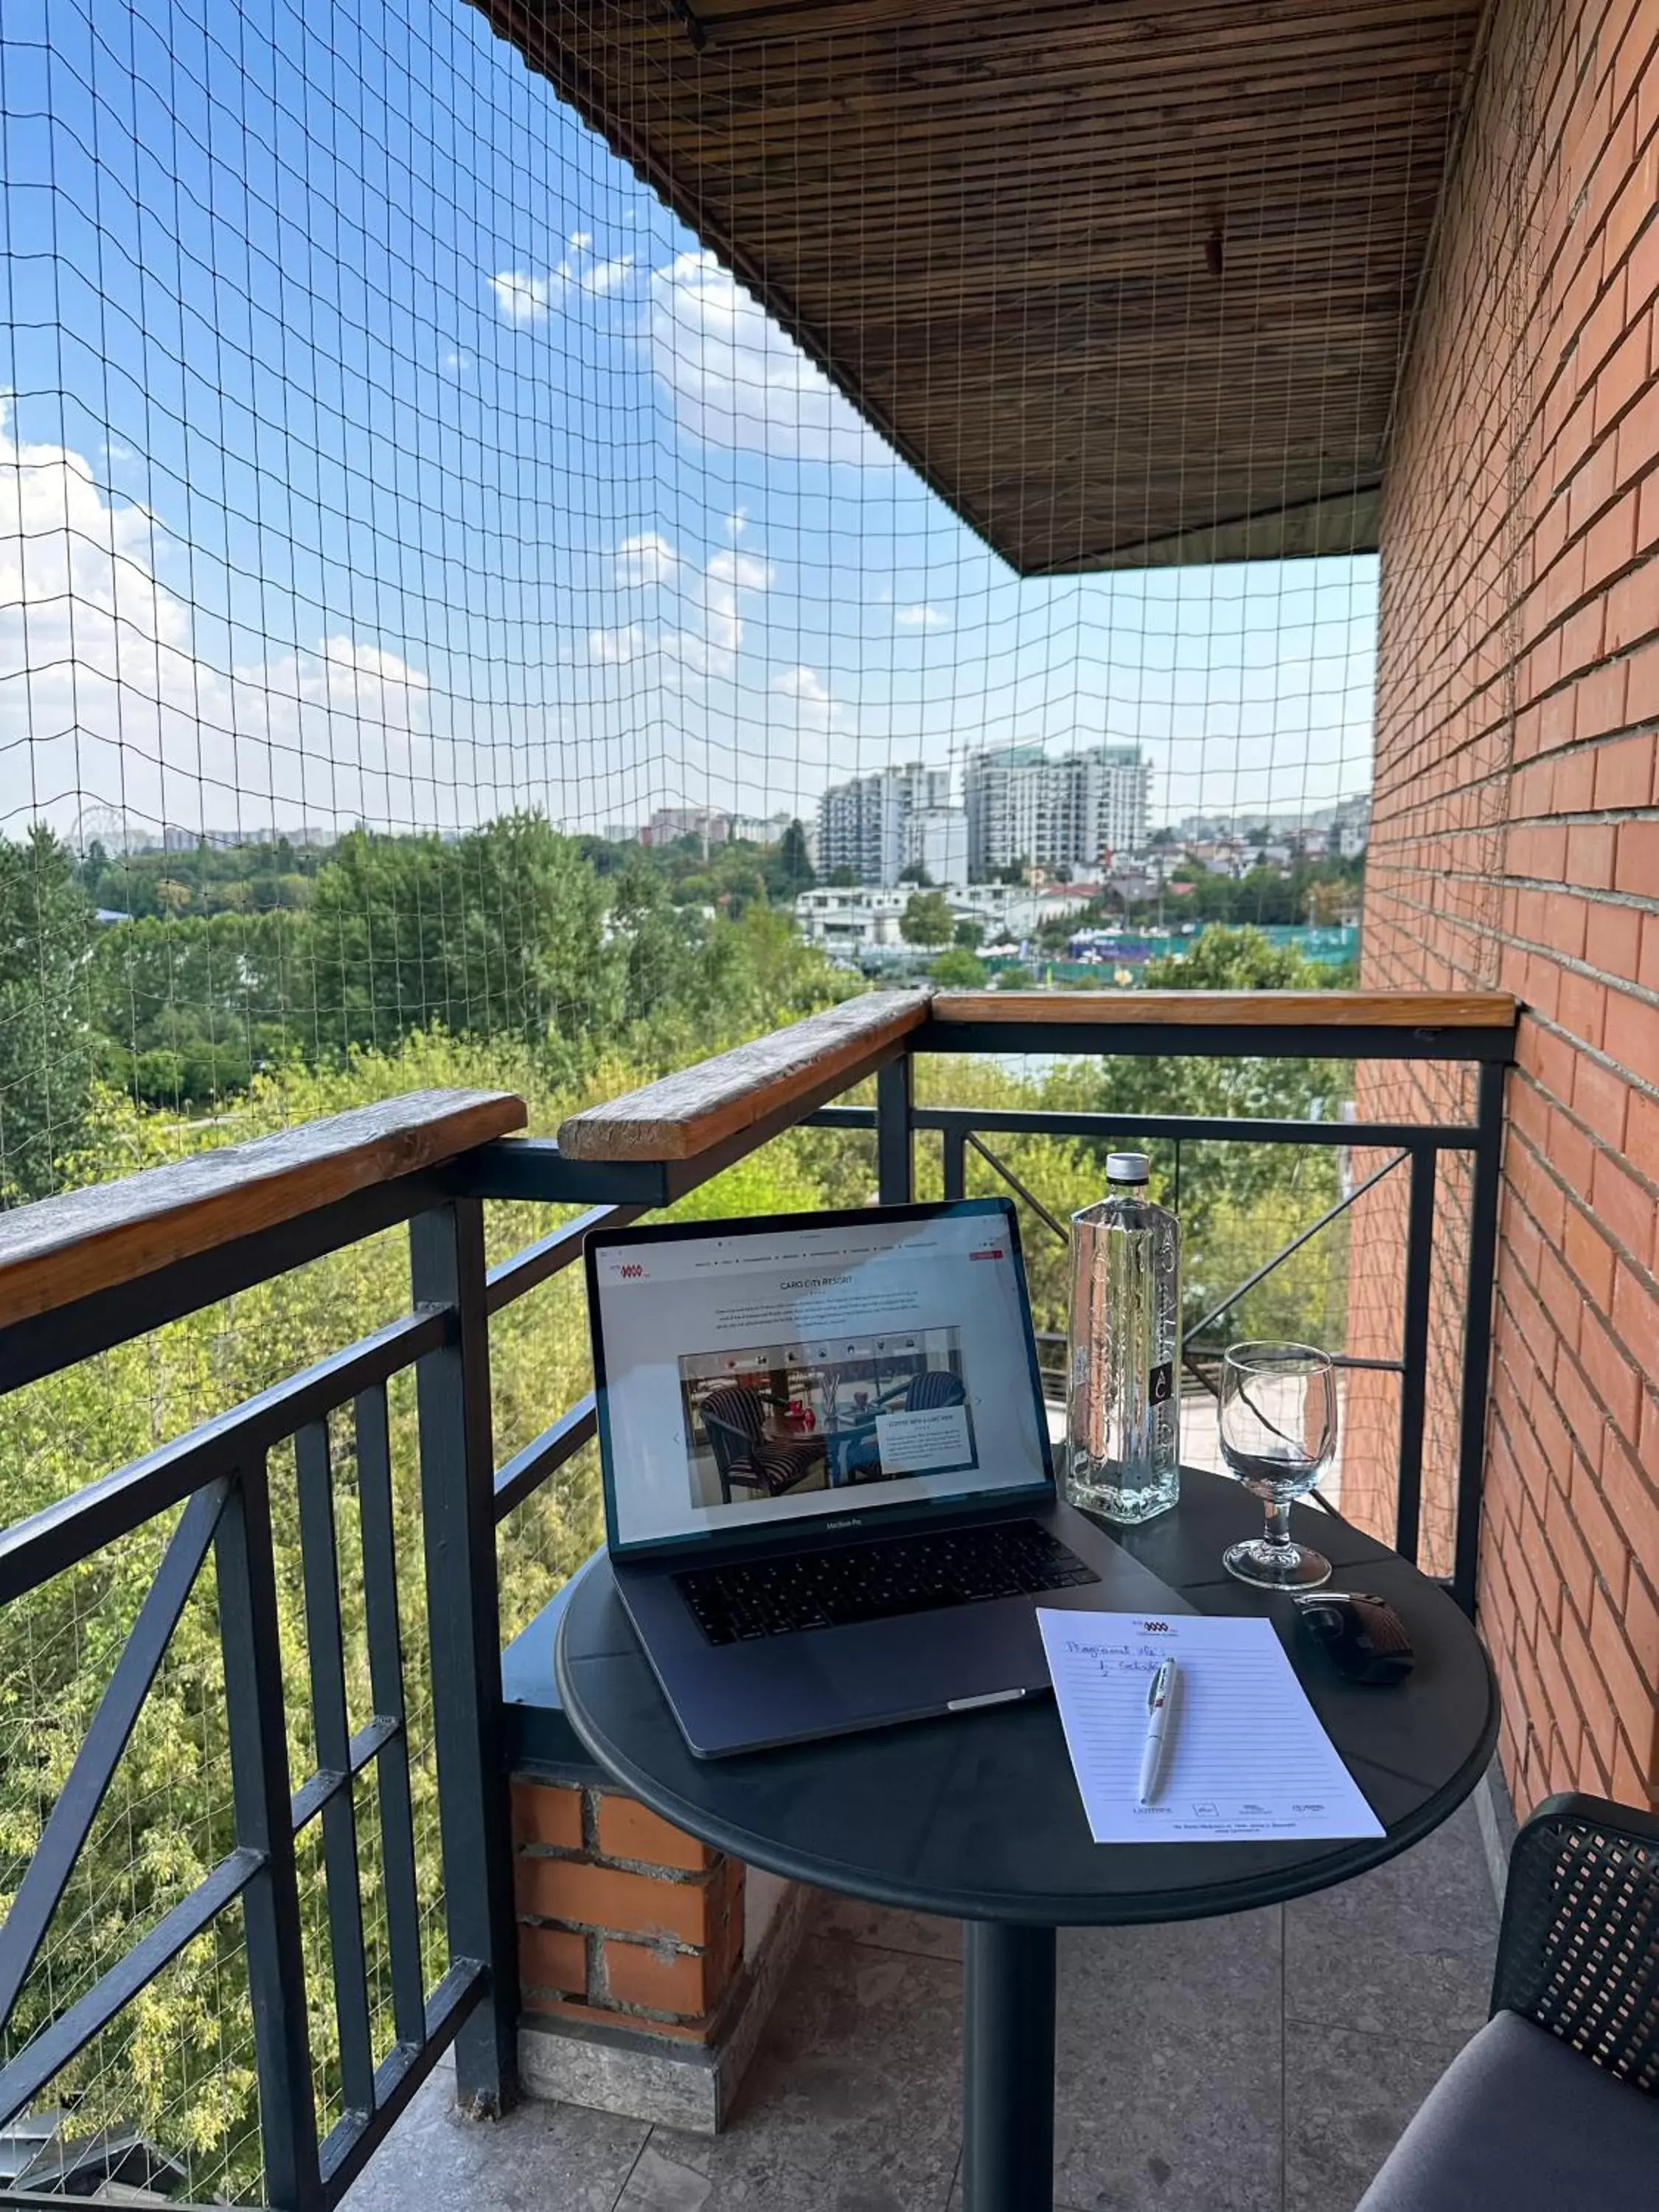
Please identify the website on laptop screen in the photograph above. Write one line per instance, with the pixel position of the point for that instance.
(803, 1371)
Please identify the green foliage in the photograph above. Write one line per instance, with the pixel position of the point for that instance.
(48, 1055)
(189, 1010)
(791, 872)
(263, 879)
(927, 919)
(957, 968)
(569, 970)
(971, 935)
(1013, 977)
(499, 933)
(1235, 960)
(570, 945)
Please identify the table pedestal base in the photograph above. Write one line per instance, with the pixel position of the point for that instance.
(1007, 2067)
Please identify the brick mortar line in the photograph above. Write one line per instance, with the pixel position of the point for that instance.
(1598, 1058)
(1465, 560)
(591, 1855)
(1486, 731)
(1569, 749)
(1584, 1626)
(1624, 902)
(571, 1925)
(1469, 552)
(1617, 1616)
(1566, 1502)
(1594, 894)
(1580, 1371)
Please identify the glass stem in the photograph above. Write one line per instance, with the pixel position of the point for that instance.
(1278, 1526)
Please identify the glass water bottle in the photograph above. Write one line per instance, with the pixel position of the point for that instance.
(1122, 1442)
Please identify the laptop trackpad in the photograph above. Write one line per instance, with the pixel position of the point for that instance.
(819, 1683)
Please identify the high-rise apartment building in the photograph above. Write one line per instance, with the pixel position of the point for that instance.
(1025, 803)
(862, 824)
(936, 841)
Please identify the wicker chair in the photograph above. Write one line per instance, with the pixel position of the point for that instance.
(1555, 2104)
(734, 1421)
(935, 1386)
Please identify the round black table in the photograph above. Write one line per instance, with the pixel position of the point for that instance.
(978, 1817)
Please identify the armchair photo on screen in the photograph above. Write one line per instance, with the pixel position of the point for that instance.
(748, 1459)
(776, 1419)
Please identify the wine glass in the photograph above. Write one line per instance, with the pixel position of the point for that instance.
(1277, 1430)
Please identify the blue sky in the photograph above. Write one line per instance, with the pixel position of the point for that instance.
(374, 445)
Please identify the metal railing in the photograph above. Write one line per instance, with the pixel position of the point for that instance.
(218, 1475)
(1417, 1148)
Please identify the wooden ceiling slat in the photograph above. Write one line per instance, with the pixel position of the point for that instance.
(1123, 279)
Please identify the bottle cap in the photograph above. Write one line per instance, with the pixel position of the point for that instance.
(1128, 1167)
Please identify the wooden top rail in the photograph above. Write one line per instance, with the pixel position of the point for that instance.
(1313, 1010)
(67, 1247)
(684, 1114)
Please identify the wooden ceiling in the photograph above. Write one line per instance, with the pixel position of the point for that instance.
(1128, 282)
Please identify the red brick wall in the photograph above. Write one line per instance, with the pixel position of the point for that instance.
(622, 1919)
(1515, 832)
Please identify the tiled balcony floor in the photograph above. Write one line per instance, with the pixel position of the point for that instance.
(1261, 2064)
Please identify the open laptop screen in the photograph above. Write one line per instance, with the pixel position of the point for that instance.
(816, 1365)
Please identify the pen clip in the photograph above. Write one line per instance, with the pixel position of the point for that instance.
(1158, 1686)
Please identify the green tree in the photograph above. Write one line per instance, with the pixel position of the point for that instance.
(1233, 960)
(926, 918)
(971, 935)
(500, 934)
(916, 874)
(791, 871)
(957, 968)
(48, 1050)
(1014, 977)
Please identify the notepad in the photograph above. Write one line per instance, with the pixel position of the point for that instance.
(1248, 1761)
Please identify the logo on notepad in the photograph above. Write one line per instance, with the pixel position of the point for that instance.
(1154, 1628)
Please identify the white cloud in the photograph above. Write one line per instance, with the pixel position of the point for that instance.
(702, 628)
(816, 706)
(708, 642)
(645, 561)
(105, 697)
(920, 616)
(733, 379)
(606, 276)
(737, 522)
(523, 297)
(456, 363)
(617, 646)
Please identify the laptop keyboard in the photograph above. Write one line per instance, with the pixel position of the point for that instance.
(874, 1582)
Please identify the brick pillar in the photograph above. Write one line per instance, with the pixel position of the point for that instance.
(623, 1920)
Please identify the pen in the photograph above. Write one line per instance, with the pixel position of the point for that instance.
(1160, 1697)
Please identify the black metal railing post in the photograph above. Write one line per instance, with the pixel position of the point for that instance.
(326, 1649)
(953, 1161)
(894, 1137)
(1477, 1331)
(1414, 1350)
(250, 1639)
(446, 1252)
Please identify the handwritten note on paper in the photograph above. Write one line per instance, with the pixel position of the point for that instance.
(1246, 1759)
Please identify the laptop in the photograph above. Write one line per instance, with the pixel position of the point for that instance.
(830, 1501)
